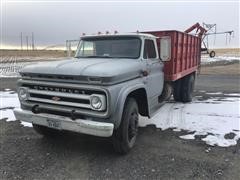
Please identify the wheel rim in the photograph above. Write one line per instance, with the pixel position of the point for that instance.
(133, 127)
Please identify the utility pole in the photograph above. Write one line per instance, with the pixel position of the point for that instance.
(21, 41)
(27, 42)
(33, 41)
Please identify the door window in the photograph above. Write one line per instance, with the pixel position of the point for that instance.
(149, 50)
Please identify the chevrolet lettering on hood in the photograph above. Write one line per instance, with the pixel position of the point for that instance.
(59, 89)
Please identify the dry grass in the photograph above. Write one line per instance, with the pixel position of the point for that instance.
(35, 53)
(222, 69)
(227, 51)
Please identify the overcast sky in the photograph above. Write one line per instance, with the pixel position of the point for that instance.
(53, 23)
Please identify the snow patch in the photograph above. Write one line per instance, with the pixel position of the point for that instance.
(214, 93)
(219, 140)
(188, 136)
(207, 59)
(8, 99)
(202, 117)
(7, 114)
(233, 94)
(7, 89)
(27, 124)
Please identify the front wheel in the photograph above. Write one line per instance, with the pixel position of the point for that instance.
(125, 136)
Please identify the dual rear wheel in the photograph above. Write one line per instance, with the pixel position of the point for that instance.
(183, 88)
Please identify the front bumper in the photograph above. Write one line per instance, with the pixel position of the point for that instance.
(101, 129)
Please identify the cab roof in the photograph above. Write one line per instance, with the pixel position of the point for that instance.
(136, 34)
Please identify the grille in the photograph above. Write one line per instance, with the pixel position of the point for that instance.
(63, 95)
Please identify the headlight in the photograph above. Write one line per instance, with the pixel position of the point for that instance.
(22, 93)
(98, 102)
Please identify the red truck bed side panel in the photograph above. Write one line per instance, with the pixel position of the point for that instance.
(185, 54)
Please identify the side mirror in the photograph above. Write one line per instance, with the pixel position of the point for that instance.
(165, 48)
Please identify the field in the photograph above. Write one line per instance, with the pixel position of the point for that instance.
(227, 51)
(20, 55)
(36, 53)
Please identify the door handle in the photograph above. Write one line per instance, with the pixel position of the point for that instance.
(145, 73)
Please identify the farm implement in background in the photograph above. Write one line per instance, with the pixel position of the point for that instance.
(207, 30)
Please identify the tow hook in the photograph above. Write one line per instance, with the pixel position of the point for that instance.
(36, 109)
(72, 115)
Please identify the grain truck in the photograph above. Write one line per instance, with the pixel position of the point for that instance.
(111, 80)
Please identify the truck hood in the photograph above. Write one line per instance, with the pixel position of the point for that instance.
(97, 70)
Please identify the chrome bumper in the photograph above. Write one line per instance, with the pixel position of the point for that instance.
(101, 129)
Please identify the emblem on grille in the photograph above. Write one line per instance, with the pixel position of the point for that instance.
(55, 98)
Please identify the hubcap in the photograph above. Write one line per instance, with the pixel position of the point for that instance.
(133, 126)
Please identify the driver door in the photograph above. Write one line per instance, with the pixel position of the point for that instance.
(155, 78)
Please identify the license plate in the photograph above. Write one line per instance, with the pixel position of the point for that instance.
(53, 123)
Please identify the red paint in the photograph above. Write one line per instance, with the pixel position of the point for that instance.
(185, 53)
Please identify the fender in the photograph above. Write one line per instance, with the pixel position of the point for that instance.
(123, 94)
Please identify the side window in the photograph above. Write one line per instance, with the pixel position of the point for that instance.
(149, 50)
(87, 49)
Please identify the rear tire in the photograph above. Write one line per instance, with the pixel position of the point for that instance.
(177, 91)
(125, 136)
(187, 88)
(166, 93)
(45, 131)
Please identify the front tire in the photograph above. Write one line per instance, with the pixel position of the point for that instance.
(125, 136)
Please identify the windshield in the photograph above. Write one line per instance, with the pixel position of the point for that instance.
(109, 47)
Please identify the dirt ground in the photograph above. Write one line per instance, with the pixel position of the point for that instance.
(157, 155)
